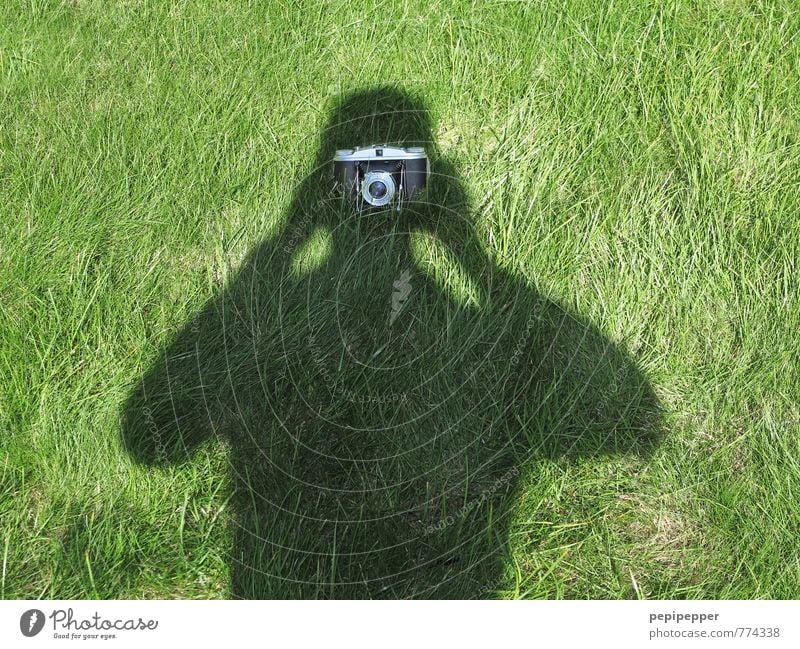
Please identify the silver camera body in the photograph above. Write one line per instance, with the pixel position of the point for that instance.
(381, 175)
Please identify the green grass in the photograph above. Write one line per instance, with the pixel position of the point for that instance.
(194, 349)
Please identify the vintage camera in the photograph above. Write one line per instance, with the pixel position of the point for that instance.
(380, 175)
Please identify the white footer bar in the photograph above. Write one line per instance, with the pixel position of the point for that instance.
(155, 624)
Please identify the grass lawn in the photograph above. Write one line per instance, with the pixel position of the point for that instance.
(570, 372)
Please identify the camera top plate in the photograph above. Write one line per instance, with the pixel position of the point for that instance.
(378, 151)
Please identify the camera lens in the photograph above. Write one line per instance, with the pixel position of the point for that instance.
(378, 189)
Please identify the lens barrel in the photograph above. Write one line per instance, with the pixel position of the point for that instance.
(378, 188)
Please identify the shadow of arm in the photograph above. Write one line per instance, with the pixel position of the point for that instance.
(173, 409)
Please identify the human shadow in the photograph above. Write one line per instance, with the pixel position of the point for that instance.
(382, 385)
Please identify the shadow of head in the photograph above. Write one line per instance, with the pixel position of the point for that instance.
(380, 115)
